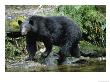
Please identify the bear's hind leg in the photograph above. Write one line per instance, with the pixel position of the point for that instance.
(64, 51)
(75, 51)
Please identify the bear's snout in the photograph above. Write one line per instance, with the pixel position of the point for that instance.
(24, 31)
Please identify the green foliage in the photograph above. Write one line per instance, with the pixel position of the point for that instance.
(91, 21)
(90, 47)
(14, 48)
(55, 49)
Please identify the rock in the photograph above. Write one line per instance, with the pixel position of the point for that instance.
(81, 61)
(25, 64)
(70, 60)
(89, 53)
(50, 60)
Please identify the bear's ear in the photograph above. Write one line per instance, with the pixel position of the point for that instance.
(31, 22)
(20, 22)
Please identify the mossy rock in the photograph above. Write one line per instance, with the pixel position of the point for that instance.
(88, 49)
(13, 24)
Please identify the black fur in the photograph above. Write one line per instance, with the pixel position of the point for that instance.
(56, 30)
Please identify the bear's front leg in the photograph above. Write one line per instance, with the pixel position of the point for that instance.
(31, 48)
(31, 51)
(48, 46)
(47, 40)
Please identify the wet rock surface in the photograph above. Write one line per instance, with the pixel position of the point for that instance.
(92, 53)
(50, 64)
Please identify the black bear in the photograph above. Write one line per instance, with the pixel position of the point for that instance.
(55, 30)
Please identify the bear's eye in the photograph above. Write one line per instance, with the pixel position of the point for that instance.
(31, 22)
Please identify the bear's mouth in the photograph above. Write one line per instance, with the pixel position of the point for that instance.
(24, 31)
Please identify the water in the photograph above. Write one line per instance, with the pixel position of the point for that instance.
(50, 65)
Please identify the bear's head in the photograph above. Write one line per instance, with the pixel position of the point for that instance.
(26, 26)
